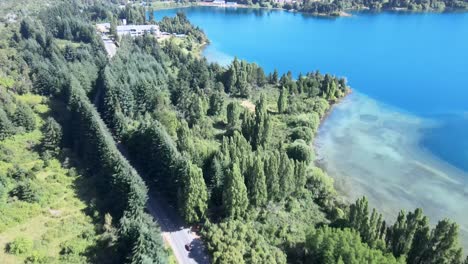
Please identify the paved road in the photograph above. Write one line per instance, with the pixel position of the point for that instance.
(109, 45)
(175, 233)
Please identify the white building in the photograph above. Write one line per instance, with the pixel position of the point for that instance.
(137, 30)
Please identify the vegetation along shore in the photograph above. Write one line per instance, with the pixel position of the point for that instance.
(326, 8)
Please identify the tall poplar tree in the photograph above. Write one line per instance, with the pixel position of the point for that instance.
(283, 100)
(194, 193)
(235, 197)
(259, 190)
(271, 173)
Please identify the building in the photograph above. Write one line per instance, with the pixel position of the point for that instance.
(138, 30)
(219, 2)
(231, 3)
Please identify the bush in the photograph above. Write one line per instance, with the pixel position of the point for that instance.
(321, 106)
(19, 246)
(320, 185)
(304, 133)
(25, 192)
(311, 121)
(36, 258)
(19, 173)
(300, 151)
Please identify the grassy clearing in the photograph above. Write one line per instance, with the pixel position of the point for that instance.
(53, 228)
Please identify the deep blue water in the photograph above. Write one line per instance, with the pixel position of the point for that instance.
(410, 74)
(416, 62)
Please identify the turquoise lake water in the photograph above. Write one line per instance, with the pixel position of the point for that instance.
(401, 137)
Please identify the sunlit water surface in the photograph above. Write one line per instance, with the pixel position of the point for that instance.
(401, 138)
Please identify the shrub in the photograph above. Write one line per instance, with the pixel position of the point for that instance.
(36, 258)
(321, 106)
(311, 121)
(25, 192)
(19, 246)
(304, 133)
(19, 173)
(300, 151)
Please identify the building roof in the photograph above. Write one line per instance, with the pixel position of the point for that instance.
(137, 28)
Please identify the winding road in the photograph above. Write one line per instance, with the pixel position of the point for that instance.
(174, 231)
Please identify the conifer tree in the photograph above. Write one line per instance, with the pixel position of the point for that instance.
(300, 173)
(262, 124)
(52, 136)
(232, 113)
(271, 173)
(24, 117)
(216, 103)
(6, 126)
(259, 190)
(184, 138)
(274, 77)
(283, 101)
(286, 175)
(235, 198)
(216, 179)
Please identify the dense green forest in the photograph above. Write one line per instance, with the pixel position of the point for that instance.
(229, 147)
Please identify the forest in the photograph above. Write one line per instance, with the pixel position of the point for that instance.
(229, 147)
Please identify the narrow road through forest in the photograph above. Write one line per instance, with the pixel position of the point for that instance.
(174, 231)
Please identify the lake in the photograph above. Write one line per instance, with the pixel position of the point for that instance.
(401, 137)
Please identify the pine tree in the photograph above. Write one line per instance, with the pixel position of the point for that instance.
(233, 112)
(52, 136)
(216, 180)
(271, 173)
(233, 76)
(113, 28)
(274, 77)
(235, 198)
(243, 87)
(248, 125)
(184, 138)
(286, 175)
(6, 126)
(151, 19)
(259, 190)
(262, 124)
(216, 103)
(24, 117)
(283, 101)
(300, 173)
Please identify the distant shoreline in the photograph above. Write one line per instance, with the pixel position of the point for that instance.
(174, 5)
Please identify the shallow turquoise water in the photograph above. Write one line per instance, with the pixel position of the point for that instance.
(402, 137)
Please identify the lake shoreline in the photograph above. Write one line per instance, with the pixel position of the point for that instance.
(348, 12)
